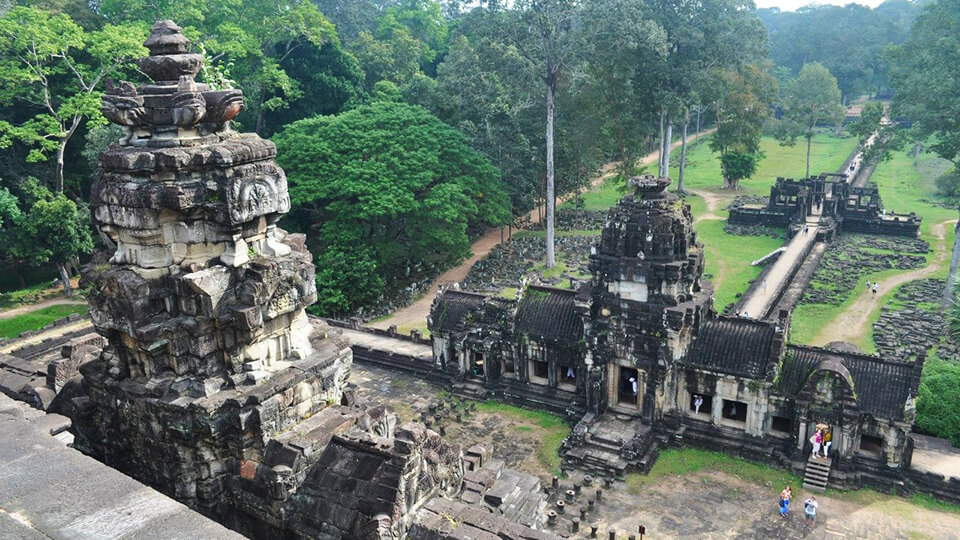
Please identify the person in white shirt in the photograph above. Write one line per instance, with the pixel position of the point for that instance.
(697, 402)
(810, 512)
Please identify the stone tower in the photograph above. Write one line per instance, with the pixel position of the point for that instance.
(646, 299)
(210, 352)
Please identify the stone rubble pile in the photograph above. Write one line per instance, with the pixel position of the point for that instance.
(508, 263)
(914, 322)
(852, 257)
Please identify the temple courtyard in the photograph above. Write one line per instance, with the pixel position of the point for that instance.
(689, 493)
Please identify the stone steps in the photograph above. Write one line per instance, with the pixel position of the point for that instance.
(470, 390)
(817, 474)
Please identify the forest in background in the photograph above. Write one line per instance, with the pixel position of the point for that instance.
(408, 127)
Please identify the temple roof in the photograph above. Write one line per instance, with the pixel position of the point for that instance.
(451, 309)
(732, 345)
(549, 313)
(880, 386)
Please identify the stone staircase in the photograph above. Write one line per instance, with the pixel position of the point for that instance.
(471, 390)
(817, 474)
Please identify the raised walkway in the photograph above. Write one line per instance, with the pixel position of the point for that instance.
(764, 297)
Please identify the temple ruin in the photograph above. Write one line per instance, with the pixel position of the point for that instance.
(640, 361)
(205, 378)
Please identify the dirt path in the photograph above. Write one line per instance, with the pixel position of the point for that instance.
(416, 313)
(39, 305)
(853, 323)
(713, 202)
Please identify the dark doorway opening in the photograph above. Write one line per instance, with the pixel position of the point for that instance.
(569, 374)
(509, 368)
(476, 365)
(628, 386)
(705, 401)
(871, 445)
(735, 410)
(780, 424)
(541, 369)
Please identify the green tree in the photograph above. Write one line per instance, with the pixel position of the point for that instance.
(50, 64)
(742, 99)
(53, 229)
(937, 397)
(545, 34)
(923, 72)
(393, 178)
(254, 37)
(811, 98)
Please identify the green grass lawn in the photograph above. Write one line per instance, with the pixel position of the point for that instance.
(827, 154)
(555, 430)
(728, 259)
(14, 326)
(903, 188)
(676, 462)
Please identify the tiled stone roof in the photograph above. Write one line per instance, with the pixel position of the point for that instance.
(880, 386)
(449, 312)
(732, 345)
(550, 314)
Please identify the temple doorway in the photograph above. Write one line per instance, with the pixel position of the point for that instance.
(628, 386)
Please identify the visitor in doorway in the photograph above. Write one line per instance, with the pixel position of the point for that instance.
(697, 402)
(571, 374)
(785, 497)
(633, 385)
(827, 441)
(810, 510)
(733, 411)
(875, 289)
(816, 440)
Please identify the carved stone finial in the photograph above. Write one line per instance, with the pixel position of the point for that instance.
(166, 38)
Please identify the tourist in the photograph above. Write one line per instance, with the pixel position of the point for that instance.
(827, 441)
(810, 510)
(633, 385)
(764, 285)
(571, 375)
(806, 228)
(785, 496)
(816, 440)
(697, 402)
(875, 289)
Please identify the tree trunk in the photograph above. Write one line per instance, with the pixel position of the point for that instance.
(808, 156)
(60, 153)
(551, 261)
(948, 292)
(666, 153)
(660, 152)
(65, 278)
(697, 138)
(683, 154)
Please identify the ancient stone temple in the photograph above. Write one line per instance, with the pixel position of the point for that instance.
(639, 360)
(212, 384)
(646, 301)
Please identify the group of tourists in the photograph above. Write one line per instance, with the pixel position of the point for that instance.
(810, 507)
(821, 441)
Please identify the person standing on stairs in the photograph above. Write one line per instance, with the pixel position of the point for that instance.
(827, 441)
